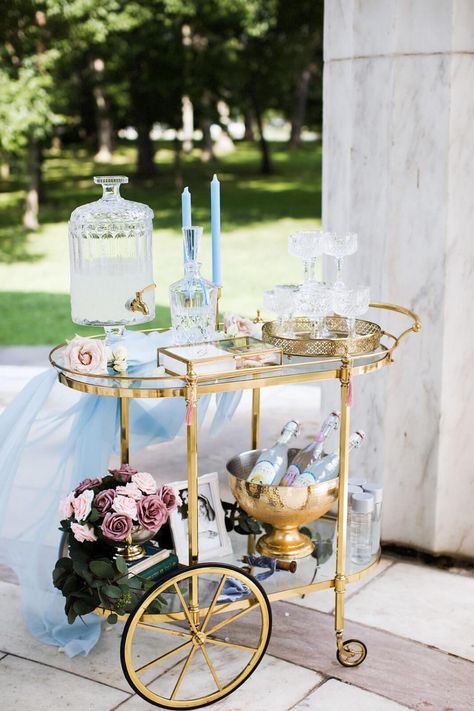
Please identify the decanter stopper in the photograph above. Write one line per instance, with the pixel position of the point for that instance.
(192, 242)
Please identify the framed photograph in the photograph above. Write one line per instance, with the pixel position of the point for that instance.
(214, 541)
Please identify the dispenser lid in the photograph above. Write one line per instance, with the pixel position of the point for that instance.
(111, 210)
(352, 489)
(362, 503)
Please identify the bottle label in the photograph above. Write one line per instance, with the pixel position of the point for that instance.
(262, 473)
(291, 473)
(304, 479)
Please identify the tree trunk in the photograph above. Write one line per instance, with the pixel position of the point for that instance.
(178, 173)
(4, 169)
(145, 152)
(249, 134)
(207, 152)
(102, 112)
(188, 124)
(301, 99)
(30, 213)
(265, 164)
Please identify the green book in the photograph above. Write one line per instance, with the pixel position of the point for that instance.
(163, 566)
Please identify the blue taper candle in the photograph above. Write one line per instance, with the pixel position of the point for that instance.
(186, 207)
(216, 230)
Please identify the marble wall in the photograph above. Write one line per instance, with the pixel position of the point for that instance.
(398, 168)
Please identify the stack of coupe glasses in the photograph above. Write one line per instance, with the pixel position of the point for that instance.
(313, 299)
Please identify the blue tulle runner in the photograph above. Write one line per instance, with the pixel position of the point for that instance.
(48, 444)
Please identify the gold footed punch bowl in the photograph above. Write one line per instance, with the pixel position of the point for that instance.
(285, 508)
(202, 629)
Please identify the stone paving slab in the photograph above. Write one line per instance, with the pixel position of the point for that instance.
(404, 671)
(323, 600)
(335, 695)
(275, 685)
(420, 603)
(101, 665)
(30, 686)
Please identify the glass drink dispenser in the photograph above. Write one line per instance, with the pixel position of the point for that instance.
(110, 247)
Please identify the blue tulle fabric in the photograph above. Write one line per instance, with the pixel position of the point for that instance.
(50, 439)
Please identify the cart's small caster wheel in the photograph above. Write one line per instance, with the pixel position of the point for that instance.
(196, 636)
(352, 653)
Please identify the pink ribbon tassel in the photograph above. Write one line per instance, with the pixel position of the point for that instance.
(349, 393)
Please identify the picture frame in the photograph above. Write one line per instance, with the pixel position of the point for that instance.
(214, 540)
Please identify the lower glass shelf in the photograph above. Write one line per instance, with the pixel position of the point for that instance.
(283, 584)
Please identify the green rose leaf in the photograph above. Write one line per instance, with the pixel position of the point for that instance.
(112, 591)
(83, 607)
(121, 565)
(102, 569)
(93, 516)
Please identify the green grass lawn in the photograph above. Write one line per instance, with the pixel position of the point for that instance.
(257, 215)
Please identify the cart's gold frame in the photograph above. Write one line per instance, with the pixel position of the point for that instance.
(191, 386)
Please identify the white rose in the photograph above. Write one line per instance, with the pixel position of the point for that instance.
(145, 482)
(82, 505)
(125, 505)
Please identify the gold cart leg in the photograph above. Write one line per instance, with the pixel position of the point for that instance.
(340, 582)
(255, 437)
(350, 653)
(193, 532)
(124, 433)
(254, 444)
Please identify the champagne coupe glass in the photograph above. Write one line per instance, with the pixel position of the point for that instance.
(269, 301)
(307, 245)
(340, 246)
(351, 303)
(285, 295)
(315, 301)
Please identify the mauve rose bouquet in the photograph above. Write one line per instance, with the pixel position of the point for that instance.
(98, 515)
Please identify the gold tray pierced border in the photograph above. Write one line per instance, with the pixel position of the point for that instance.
(366, 340)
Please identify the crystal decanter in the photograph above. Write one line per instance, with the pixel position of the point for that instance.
(110, 247)
(193, 299)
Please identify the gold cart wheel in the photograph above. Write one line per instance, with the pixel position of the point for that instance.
(187, 645)
(352, 653)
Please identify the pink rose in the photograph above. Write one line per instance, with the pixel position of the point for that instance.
(82, 505)
(130, 489)
(116, 527)
(169, 497)
(86, 484)
(145, 482)
(103, 501)
(65, 506)
(124, 473)
(83, 533)
(126, 506)
(152, 512)
(85, 355)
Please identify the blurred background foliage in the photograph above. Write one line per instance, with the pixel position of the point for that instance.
(154, 89)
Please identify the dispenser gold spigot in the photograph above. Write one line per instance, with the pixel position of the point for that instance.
(137, 304)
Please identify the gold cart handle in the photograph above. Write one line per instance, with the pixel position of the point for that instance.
(414, 328)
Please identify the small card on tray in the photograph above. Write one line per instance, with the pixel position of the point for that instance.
(222, 356)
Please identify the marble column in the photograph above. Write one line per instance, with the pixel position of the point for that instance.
(398, 169)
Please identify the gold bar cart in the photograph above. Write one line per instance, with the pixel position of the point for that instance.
(186, 618)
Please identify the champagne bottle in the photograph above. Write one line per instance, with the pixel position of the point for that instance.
(272, 463)
(327, 467)
(312, 452)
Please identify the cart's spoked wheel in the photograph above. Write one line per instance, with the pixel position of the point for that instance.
(352, 653)
(187, 644)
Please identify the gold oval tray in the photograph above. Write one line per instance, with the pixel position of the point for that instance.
(338, 343)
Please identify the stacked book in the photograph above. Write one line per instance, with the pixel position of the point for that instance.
(157, 562)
